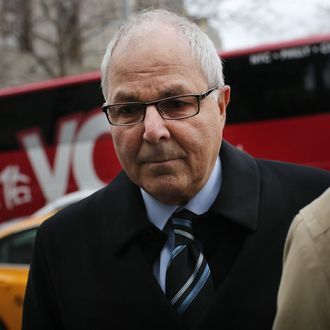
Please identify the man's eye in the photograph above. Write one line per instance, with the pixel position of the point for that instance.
(176, 103)
(129, 109)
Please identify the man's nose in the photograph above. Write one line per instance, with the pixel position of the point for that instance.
(155, 128)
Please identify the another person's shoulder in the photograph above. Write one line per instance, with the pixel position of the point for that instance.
(306, 269)
(311, 228)
(315, 216)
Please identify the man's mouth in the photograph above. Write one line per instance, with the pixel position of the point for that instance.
(160, 160)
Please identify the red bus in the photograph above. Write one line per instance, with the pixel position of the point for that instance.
(54, 139)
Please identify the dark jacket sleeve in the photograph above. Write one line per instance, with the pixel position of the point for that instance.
(40, 308)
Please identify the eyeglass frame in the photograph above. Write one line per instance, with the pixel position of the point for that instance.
(199, 98)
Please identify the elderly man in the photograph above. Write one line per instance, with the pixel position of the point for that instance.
(191, 233)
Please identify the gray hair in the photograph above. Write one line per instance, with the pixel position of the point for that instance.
(201, 46)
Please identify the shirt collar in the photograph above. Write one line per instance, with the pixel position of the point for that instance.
(158, 213)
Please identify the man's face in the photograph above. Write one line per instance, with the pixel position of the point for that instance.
(170, 159)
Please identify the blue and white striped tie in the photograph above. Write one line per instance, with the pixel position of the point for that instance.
(189, 285)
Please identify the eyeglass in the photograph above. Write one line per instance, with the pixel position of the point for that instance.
(169, 108)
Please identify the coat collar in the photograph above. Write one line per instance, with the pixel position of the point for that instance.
(238, 199)
(124, 216)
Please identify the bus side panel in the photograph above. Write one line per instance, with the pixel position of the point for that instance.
(304, 140)
(36, 175)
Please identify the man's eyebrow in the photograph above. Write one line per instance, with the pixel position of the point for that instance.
(123, 96)
(173, 91)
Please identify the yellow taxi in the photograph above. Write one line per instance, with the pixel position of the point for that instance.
(16, 247)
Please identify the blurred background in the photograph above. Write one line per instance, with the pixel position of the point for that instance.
(43, 39)
(55, 146)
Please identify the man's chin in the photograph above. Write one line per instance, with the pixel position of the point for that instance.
(161, 168)
(169, 190)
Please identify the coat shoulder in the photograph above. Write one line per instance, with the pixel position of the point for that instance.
(88, 213)
(294, 172)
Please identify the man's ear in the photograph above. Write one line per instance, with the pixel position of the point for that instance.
(223, 100)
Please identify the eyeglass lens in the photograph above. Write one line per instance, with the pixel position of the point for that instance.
(174, 108)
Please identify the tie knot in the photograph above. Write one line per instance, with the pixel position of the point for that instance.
(183, 227)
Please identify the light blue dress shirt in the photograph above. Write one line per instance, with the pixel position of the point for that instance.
(159, 213)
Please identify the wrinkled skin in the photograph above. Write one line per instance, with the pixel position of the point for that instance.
(170, 159)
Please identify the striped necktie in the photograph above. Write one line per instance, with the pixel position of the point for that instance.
(189, 285)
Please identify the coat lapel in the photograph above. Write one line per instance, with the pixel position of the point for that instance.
(232, 219)
(132, 244)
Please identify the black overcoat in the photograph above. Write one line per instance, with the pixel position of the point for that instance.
(92, 265)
